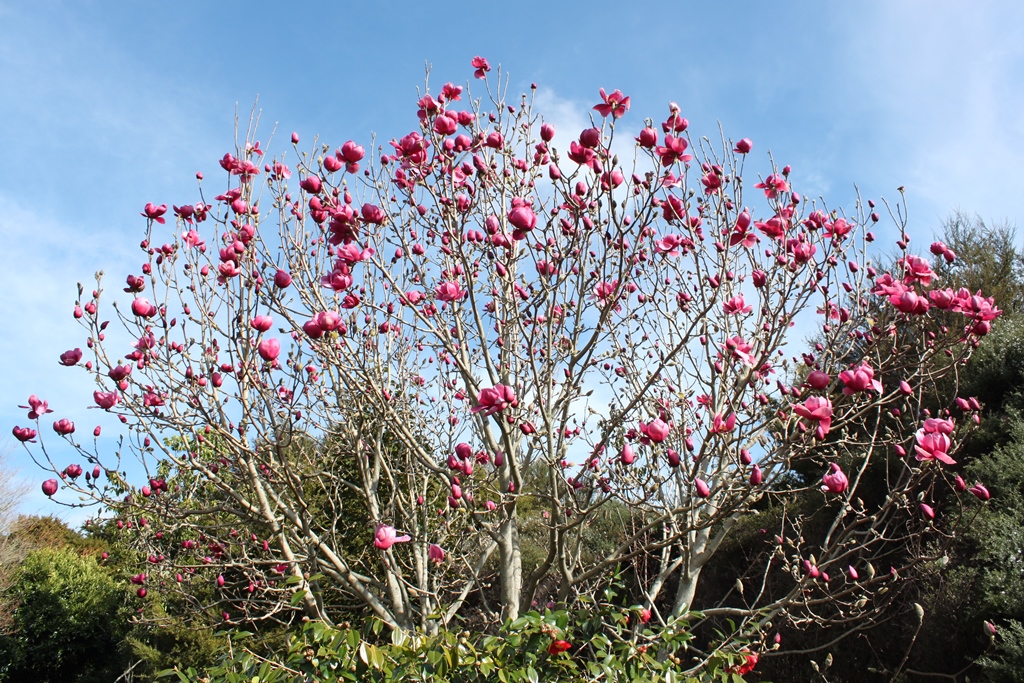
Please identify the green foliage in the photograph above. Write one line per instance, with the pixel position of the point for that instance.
(167, 639)
(1006, 662)
(605, 643)
(69, 622)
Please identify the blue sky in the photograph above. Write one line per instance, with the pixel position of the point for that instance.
(110, 104)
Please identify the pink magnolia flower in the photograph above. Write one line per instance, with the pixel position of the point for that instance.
(105, 399)
(311, 184)
(818, 380)
(64, 426)
(739, 349)
(860, 378)
(70, 358)
(373, 214)
(604, 291)
(723, 425)
(773, 228)
(50, 487)
(262, 323)
(736, 306)
(449, 291)
(980, 492)
(933, 441)
(917, 269)
(351, 152)
(522, 218)
(269, 349)
(835, 481)
(154, 212)
(927, 511)
(385, 537)
(626, 456)
(282, 279)
(37, 408)
(669, 244)
(412, 297)
(327, 321)
(702, 488)
(436, 553)
(495, 399)
(142, 308)
(819, 409)
(351, 253)
(657, 431)
(673, 150)
(773, 185)
(756, 477)
(743, 146)
(648, 138)
(481, 66)
(615, 104)
(24, 434)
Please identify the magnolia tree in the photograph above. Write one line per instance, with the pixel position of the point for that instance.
(350, 378)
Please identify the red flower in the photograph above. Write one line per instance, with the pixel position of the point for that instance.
(481, 66)
(744, 668)
(558, 646)
(614, 105)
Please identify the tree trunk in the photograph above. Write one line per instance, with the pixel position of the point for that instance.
(511, 561)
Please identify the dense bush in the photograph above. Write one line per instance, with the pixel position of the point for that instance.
(69, 623)
(603, 642)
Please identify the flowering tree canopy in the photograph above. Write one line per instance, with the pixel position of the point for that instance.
(471, 324)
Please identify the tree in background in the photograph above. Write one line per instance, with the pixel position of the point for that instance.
(485, 330)
(12, 491)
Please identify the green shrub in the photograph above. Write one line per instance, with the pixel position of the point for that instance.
(606, 643)
(68, 624)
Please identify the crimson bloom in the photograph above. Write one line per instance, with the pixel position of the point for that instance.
(746, 667)
(819, 409)
(980, 492)
(860, 378)
(449, 291)
(385, 537)
(50, 487)
(558, 646)
(36, 407)
(933, 441)
(818, 380)
(656, 431)
(282, 279)
(269, 349)
(436, 553)
(835, 481)
(481, 66)
(105, 399)
(615, 104)
(24, 434)
(70, 358)
(154, 212)
(773, 185)
(522, 218)
(495, 399)
(64, 426)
